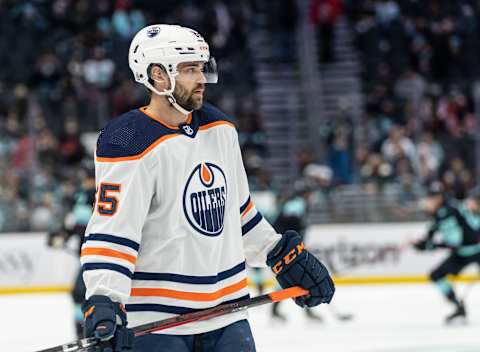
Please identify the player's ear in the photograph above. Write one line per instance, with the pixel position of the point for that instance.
(160, 77)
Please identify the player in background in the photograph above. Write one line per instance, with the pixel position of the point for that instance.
(266, 203)
(174, 225)
(457, 235)
(470, 208)
(292, 216)
(74, 225)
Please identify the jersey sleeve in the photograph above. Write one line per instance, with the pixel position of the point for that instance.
(259, 237)
(112, 239)
(432, 230)
(455, 228)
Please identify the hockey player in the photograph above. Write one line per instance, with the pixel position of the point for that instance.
(457, 235)
(292, 216)
(174, 224)
(471, 209)
(74, 225)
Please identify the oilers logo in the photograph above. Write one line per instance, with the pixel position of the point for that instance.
(204, 199)
(188, 130)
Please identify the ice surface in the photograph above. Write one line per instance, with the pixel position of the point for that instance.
(394, 318)
(33, 322)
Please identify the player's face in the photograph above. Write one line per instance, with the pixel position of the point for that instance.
(473, 205)
(431, 204)
(190, 85)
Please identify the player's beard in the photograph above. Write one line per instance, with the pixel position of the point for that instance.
(187, 99)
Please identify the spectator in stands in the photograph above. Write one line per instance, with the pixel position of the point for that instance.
(339, 157)
(317, 176)
(428, 48)
(47, 148)
(99, 69)
(454, 111)
(410, 87)
(76, 78)
(282, 25)
(43, 214)
(397, 146)
(430, 157)
(457, 178)
(374, 170)
(386, 11)
(71, 147)
(127, 96)
(126, 20)
(324, 15)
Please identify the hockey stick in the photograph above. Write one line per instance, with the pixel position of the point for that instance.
(204, 314)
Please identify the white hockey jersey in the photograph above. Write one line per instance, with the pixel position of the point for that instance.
(173, 225)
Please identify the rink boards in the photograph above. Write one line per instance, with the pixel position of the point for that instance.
(376, 253)
(28, 265)
(355, 253)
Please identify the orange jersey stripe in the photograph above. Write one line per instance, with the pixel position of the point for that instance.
(214, 124)
(249, 207)
(108, 253)
(190, 296)
(149, 114)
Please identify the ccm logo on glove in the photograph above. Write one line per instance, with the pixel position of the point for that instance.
(278, 267)
(294, 265)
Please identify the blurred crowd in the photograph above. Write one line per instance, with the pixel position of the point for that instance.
(65, 74)
(419, 70)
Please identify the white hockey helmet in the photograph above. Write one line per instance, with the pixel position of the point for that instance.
(168, 46)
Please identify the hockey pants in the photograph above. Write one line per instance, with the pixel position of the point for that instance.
(236, 337)
(453, 265)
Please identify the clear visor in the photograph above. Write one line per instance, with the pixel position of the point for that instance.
(198, 71)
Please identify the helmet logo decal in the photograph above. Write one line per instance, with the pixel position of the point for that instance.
(204, 199)
(153, 32)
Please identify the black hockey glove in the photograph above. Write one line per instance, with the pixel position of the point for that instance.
(107, 321)
(295, 266)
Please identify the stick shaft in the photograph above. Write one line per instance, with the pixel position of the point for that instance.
(178, 320)
(204, 314)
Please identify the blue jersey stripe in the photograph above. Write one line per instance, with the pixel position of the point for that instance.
(113, 239)
(251, 224)
(107, 266)
(187, 279)
(245, 205)
(150, 307)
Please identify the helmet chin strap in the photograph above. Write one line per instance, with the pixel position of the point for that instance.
(173, 102)
(169, 94)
